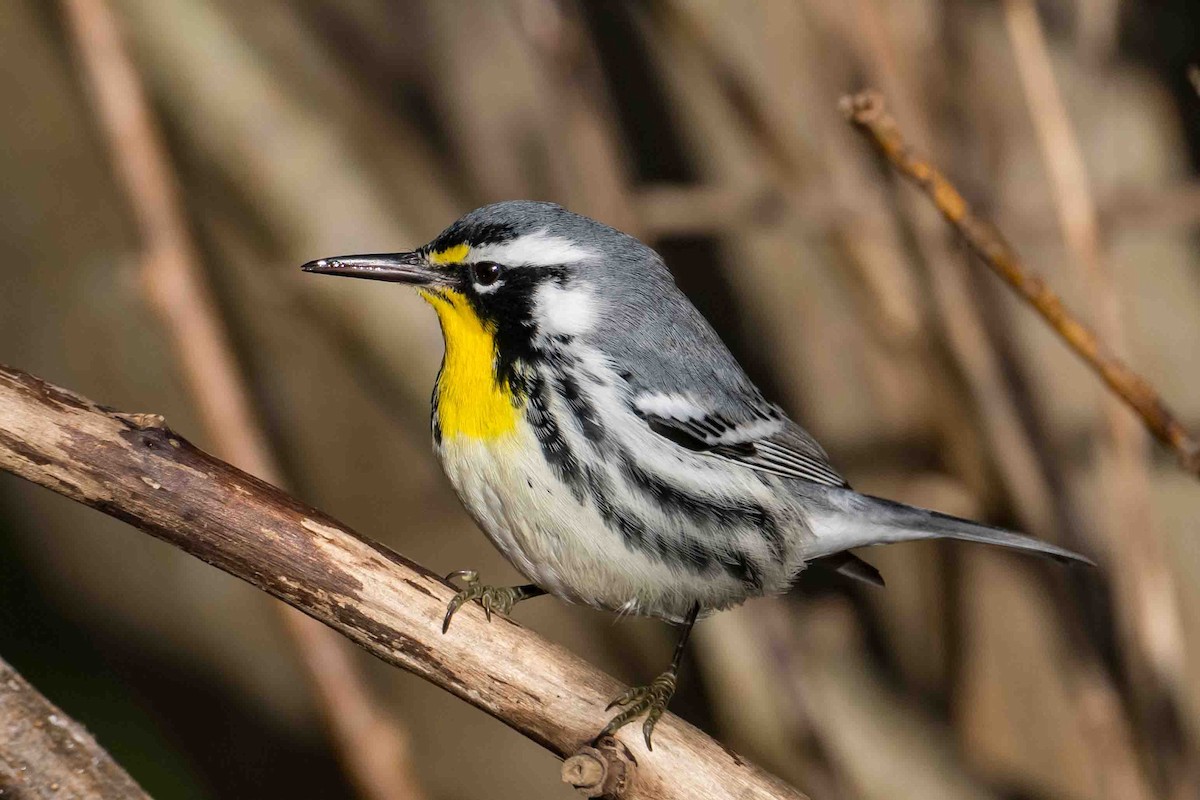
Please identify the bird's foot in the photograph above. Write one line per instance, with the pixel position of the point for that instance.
(649, 700)
(499, 599)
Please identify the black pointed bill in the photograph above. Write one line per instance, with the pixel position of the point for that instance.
(410, 268)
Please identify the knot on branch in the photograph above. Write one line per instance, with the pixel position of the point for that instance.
(601, 769)
(862, 108)
(142, 421)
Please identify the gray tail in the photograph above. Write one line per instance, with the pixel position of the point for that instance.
(850, 519)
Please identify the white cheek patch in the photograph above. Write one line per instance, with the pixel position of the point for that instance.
(564, 312)
(668, 406)
(537, 249)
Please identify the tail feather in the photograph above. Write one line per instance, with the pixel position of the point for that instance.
(857, 520)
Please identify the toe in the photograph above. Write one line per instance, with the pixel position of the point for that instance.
(623, 699)
(617, 722)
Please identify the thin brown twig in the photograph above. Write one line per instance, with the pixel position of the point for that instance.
(135, 468)
(373, 748)
(46, 754)
(867, 113)
(969, 341)
(1069, 181)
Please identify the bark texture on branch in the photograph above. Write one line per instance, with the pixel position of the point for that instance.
(46, 754)
(136, 469)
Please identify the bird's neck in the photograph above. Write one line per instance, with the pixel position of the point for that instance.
(469, 399)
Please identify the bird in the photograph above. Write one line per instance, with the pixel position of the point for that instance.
(609, 444)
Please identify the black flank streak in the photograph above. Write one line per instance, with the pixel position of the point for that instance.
(689, 552)
(715, 514)
(581, 408)
(554, 446)
(632, 529)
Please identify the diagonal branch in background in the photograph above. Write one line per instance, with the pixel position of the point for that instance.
(46, 754)
(867, 113)
(134, 468)
(372, 748)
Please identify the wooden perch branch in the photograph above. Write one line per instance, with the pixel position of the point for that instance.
(867, 113)
(136, 469)
(46, 754)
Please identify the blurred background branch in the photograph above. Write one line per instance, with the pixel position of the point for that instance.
(47, 754)
(372, 746)
(1155, 624)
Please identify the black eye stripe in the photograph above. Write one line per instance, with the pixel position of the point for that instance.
(485, 273)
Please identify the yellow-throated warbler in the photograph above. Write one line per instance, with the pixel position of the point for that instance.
(609, 444)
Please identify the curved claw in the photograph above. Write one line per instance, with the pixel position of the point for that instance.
(455, 604)
(470, 576)
(623, 699)
(651, 721)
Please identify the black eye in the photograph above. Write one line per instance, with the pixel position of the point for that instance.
(485, 273)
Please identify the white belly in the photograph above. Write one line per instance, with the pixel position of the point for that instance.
(562, 544)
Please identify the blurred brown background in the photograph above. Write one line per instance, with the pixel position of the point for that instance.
(315, 127)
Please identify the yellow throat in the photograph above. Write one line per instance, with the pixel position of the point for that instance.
(470, 402)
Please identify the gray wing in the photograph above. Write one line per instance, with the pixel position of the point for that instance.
(686, 383)
(690, 389)
(763, 439)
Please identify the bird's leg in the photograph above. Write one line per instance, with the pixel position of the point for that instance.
(500, 599)
(651, 700)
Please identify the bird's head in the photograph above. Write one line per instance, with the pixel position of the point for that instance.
(524, 271)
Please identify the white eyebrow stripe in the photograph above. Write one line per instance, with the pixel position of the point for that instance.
(537, 249)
